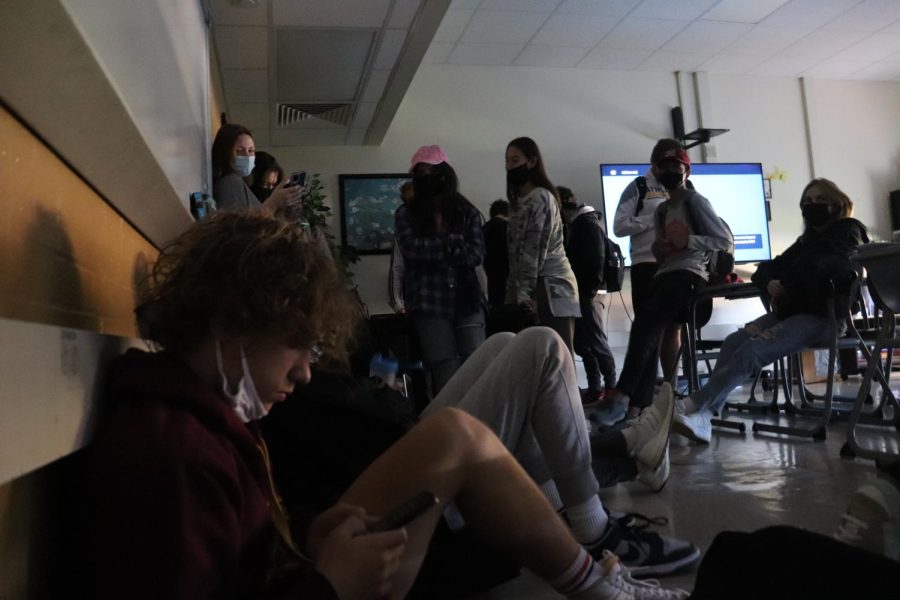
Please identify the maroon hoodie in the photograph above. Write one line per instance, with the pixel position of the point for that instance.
(177, 504)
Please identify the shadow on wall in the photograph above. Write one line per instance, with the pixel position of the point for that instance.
(47, 286)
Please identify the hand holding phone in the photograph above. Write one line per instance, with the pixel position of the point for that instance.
(405, 513)
(297, 179)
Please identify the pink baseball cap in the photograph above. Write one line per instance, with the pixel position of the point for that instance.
(430, 155)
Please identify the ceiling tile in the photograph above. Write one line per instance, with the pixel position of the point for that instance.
(403, 13)
(484, 54)
(242, 47)
(706, 36)
(575, 30)
(364, 113)
(868, 16)
(246, 85)
(784, 67)
(874, 47)
(642, 34)
(822, 44)
(253, 116)
(835, 69)
(664, 60)
(261, 138)
(893, 28)
(453, 25)
(546, 6)
(438, 53)
(807, 14)
(610, 8)
(742, 11)
(730, 63)
(391, 44)
(665, 9)
(309, 137)
(334, 13)
(465, 4)
(616, 59)
(375, 86)
(495, 27)
(303, 55)
(765, 41)
(225, 13)
(550, 56)
(882, 71)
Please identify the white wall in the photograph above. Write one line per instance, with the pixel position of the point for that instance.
(581, 118)
(855, 132)
(156, 56)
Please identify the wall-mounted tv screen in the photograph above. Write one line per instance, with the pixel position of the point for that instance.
(735, 191)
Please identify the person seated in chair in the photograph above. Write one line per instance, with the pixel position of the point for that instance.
(179, 500)
(796, 284)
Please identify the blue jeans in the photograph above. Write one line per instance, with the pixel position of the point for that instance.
(447, 343)
(755, 345)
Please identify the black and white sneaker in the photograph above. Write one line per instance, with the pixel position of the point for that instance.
(646, 553)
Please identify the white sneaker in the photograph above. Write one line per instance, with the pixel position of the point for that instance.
(655, 479)
(872, 520)
(695, 426)
(618, 584)
(651, 429)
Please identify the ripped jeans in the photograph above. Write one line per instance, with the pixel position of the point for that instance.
(755, 345)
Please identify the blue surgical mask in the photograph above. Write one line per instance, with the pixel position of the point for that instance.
(245, 401)
(244, 164)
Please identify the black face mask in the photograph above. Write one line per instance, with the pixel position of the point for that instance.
(816, 214)
(519, 176)
(261, 193)
(427, 185)
(670, 179)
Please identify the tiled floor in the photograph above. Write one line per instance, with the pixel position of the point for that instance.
(740, 482)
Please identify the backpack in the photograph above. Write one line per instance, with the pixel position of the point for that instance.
(613, 266)
(720, 263)
(641, 183)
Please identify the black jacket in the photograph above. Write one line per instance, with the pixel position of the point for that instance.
(586, 251)
(808, 265)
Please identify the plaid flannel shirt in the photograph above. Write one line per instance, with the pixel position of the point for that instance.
(434, 264)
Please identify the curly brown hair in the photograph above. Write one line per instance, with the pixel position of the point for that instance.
(247, 274)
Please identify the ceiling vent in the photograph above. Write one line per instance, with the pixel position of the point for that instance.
(291, 114)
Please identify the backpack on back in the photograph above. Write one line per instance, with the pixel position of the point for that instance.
(613, 266)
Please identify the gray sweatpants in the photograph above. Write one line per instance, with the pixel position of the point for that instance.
(524, 388)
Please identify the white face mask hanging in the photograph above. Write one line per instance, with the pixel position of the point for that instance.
(245, 401)
(244, 165)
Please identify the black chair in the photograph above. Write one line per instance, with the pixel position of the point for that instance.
(843, 292)
(882, 264)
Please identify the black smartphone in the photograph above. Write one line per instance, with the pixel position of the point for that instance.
(405, 513)
(297, 178)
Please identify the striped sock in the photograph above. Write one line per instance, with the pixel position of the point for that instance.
(583, 573)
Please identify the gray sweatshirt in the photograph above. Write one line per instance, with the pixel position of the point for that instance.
(711, 235)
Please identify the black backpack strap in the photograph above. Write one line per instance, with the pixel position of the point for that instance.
(641, 183)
